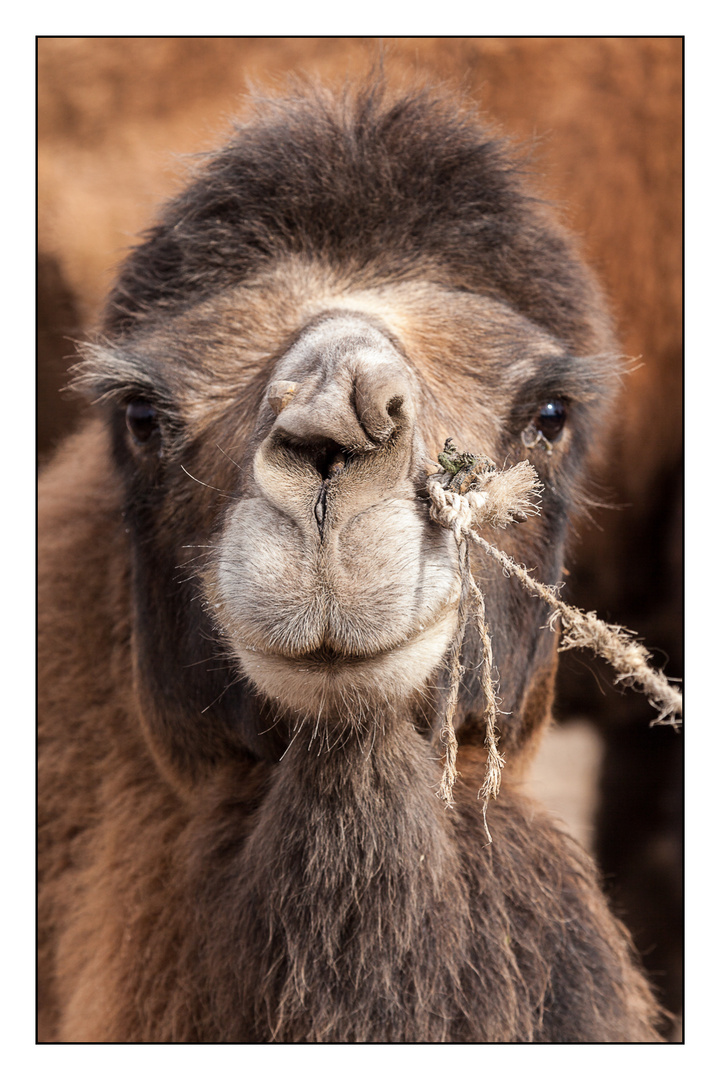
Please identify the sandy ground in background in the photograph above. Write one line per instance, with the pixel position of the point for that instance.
(564, 776)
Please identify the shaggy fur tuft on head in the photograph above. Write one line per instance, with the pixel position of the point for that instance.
(362, 180)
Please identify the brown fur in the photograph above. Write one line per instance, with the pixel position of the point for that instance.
(240, 836)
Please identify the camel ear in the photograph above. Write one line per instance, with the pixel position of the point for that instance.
(107, 375)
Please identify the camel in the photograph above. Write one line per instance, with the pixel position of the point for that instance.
(245, 607)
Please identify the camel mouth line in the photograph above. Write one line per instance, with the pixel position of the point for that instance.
(327, 656)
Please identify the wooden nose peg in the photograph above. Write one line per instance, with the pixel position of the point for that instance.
(279, 394)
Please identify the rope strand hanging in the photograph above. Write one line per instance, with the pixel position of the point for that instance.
(469, 493)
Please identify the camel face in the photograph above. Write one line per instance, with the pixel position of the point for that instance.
(276, 439)
(346, 285)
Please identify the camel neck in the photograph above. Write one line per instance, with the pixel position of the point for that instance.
(351, 896)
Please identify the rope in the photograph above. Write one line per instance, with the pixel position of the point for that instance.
(470, 491)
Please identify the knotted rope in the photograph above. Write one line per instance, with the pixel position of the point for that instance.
(470, 491)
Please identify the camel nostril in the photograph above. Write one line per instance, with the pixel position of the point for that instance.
(382, 404)
(394, 405)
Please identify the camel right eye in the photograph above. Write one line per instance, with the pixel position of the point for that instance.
(141, 419)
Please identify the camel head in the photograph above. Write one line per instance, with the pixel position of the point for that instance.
(353, 279)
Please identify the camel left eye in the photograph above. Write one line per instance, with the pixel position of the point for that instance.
(551, 419)
(141, 420)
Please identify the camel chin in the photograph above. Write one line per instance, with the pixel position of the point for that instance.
(322, 684)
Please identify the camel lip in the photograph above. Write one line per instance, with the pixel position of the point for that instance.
(328, 657)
